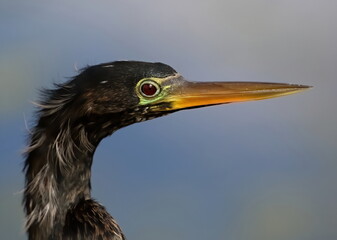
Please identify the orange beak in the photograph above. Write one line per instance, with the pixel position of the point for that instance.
(199, 94)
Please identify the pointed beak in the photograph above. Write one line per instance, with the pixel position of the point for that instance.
(200, 94)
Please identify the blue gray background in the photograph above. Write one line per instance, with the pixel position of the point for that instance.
(259, 171)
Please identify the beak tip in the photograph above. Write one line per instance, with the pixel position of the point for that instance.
(303, 87)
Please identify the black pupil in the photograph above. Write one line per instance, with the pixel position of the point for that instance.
(149, 89)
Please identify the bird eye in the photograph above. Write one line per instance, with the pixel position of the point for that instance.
(149, 89)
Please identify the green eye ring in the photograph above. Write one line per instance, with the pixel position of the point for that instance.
(149, 88)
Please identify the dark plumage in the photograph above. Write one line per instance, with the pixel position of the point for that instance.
(77, 115)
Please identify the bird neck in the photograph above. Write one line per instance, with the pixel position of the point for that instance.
(58, 171)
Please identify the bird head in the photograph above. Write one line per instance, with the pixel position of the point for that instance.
(155, 89)
(116, 94)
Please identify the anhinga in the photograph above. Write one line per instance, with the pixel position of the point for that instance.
(77, 115)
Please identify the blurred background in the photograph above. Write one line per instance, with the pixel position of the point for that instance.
(259, 170)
